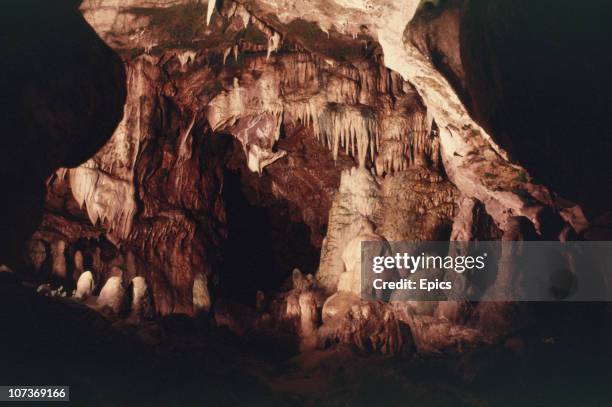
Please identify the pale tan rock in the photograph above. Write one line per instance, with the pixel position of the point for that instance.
(201, 296)
(112, 296)
(141, 307)
(308, 321)
(85, 286)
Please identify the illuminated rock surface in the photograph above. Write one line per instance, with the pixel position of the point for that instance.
(259, 136)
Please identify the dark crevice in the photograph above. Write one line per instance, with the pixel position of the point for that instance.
(264, 242)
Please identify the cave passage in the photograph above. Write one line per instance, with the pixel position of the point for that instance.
(264, 242)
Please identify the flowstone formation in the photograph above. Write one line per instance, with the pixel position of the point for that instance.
(330, 110)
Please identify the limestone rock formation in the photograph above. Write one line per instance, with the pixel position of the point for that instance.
(111, 299)
(368, 326)
(201, 296)
(59, 259)
(277, 129)
(85, 286)
(141, 308)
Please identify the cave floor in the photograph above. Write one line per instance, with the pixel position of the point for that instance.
(175, 362)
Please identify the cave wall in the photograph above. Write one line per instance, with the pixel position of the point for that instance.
(535, 75)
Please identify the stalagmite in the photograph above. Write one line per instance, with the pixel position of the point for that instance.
(59, 260)
(308, 321)
(85, 286)
(351, 214)
(141, 308)
(116, 271)
(97, 261)
(112, 296)
(201, 296)
(350, 279)
(37, 252)
(297, 279)
(310, 282)
(79, 268)
(292, 308)
(369, 326)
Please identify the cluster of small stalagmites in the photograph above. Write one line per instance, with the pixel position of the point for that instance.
(115, 294)
(114, 299)
(367, 325)
(347, 319)
(300, 308)
(296, 310)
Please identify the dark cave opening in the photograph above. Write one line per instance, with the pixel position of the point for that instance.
(540, 83)
(63, 95)
(264, 241)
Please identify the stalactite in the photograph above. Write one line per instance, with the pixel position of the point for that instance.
(107, 200)
(349, 127)
(104, 185)
(243, 13)
(210, 10)
(184, 141)
(273, 43)
(186, 57)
